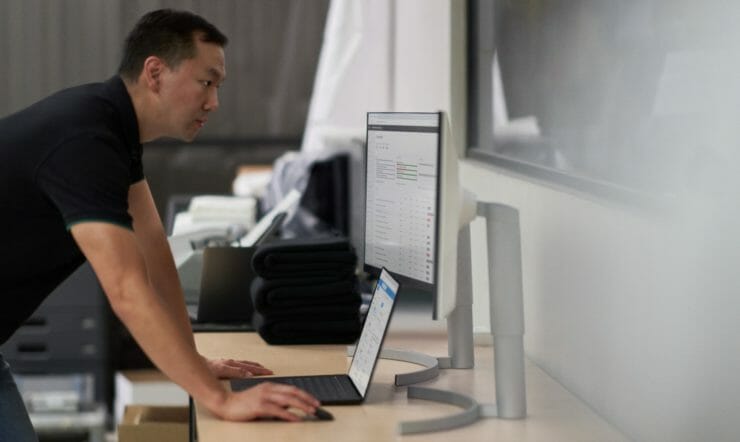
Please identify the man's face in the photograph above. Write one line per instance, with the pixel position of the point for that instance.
(190, 91)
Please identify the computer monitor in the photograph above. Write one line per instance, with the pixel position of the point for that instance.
(416, 215)
(413, 204)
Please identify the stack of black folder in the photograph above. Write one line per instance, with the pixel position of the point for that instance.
(306, 292)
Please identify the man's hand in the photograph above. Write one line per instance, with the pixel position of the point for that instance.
(231, 368)
(266, 400)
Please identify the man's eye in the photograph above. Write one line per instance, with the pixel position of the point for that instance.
(206, 83)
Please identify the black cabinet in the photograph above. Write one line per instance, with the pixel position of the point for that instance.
(68, 334)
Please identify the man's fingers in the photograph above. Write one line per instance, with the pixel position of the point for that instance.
(287, 396)
(241, 361)
(231, 368)
(252, 367)
(259, 370)
(289, 401)
(255, 370)
(256, 364)
(273, 410)
(294, 397)
(268, 399)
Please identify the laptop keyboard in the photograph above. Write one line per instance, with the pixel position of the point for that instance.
(324, 388)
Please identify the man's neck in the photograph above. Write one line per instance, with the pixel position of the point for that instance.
(143, 108)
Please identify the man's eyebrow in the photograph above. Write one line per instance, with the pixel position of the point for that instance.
(216, 73)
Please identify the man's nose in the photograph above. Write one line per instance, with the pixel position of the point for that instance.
(212, 103)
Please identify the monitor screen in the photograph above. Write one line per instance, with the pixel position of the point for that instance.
(402, 197)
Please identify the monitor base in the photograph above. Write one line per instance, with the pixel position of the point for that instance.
(431, 364)
(507, 327)
(472, 411)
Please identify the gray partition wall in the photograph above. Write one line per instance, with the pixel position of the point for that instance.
(47, 45)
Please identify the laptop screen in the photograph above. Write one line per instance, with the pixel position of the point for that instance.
(373, 332)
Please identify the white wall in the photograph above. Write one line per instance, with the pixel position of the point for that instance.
(635, 311)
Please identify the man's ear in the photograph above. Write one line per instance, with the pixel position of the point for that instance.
(152, 72)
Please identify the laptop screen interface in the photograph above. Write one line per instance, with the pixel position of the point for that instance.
(373, 331)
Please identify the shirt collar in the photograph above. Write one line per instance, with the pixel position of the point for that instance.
(122, 100)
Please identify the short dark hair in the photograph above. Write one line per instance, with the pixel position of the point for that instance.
(167, 34)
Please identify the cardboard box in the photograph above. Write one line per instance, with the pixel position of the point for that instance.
(144, 423)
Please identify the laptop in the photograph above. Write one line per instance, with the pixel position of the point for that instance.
(226, 279)
(350, 388)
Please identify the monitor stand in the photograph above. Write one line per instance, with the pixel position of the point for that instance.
(507, 328)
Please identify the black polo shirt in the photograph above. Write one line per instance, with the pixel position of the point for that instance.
(66, 159)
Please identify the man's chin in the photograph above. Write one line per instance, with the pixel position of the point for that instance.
(181, 138)
(185, 137)
(189, 137)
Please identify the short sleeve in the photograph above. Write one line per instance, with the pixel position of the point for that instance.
(88, 179)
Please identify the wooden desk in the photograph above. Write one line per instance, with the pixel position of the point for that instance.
(553, 413)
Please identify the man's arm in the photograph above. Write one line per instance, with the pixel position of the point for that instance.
(155, 248)
(115, 256)
(153, 244)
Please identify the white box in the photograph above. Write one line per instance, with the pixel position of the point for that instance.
(145, 387)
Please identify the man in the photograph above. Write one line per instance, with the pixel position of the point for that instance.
(72, 187)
